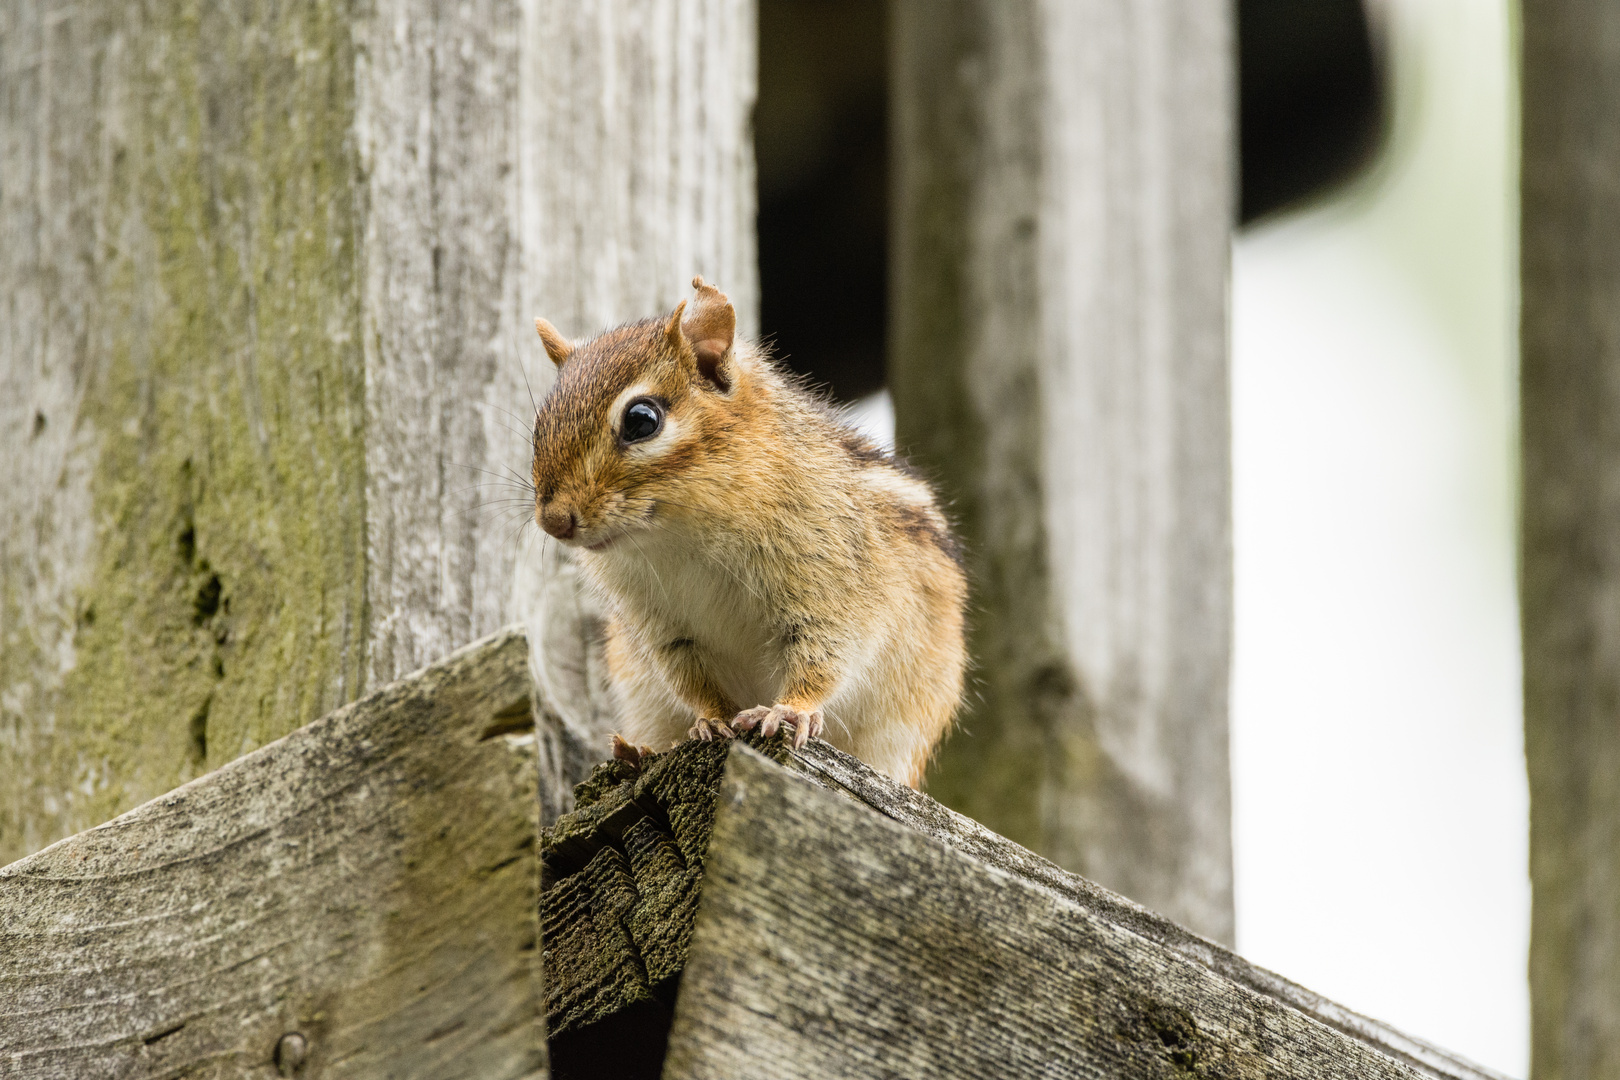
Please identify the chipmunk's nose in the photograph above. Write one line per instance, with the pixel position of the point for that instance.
(558, 519)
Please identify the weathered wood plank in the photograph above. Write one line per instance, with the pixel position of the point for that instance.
(917, 812)
(605, 987)
(832, 941)
(1569, 396)
(183, 520)
(367, 882)
(438, 130)
(1062, 213)
(266, 280)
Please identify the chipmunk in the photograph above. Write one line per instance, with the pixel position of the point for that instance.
(764, 564)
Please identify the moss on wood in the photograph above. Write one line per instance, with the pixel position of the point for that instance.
(222, 394)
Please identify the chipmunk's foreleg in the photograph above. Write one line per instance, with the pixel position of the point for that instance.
(814, 667)
(682, 663)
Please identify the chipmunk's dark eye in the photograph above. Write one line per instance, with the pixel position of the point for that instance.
(642, 420)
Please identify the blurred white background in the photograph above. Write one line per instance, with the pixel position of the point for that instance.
(1380, 804)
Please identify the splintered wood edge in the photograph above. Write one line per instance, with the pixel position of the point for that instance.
(844, 774)
(368, 882)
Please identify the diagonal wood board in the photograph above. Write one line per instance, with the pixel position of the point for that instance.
(355, 900)
(637, 856)
(918, 812)
(834, 941)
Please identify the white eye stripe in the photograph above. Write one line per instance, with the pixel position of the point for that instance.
(626, 396)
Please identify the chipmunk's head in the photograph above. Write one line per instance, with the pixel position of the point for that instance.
(632, 414)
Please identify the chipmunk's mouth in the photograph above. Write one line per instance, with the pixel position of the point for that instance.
(602, 544)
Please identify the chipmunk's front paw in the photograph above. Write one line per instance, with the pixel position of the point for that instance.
(772, 718)
(710, 730)
(631, 754)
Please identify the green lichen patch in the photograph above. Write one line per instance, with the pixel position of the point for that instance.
(222, 385)
(583, 926)
(668, 893)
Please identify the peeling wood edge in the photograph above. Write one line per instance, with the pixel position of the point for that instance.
(916, 811)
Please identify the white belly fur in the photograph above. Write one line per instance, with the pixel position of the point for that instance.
(667, 594)
(672, 594)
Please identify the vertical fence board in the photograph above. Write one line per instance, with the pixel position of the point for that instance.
(1058, 361)
(265, 291)
(438, 125)
(1570, 530)
(639, 173)
(182, 528)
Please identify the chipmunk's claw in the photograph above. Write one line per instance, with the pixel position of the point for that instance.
(772, 718)
(630, 753)
(807, 726)
(710, 730)
(757, 717)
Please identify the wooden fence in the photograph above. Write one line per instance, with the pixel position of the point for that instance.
(267, 269)
(360, 899)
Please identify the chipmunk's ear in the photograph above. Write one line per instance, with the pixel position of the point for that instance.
(710, 328)
(677, 340)
(557, 347)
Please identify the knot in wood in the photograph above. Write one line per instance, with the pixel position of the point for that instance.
(292, 1049)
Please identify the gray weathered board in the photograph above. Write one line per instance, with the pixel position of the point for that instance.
(1569, 521)
(833, 941)
(367, 882)
(1062, 207)
(921, 814)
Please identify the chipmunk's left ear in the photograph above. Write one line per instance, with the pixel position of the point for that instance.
(710, 328)
(558, 347)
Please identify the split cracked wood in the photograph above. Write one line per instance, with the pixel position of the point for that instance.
(365, 886)
(809, 904)
(621, 876)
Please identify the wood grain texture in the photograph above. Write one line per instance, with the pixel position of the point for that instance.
(182, 522)
(266, 284)
(624, 870)
(1570, 529)
(621, 875)
(832, 941)
(638, 167)
(368, 882)
(847, 776)
(439, 126)
(1062, 206)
